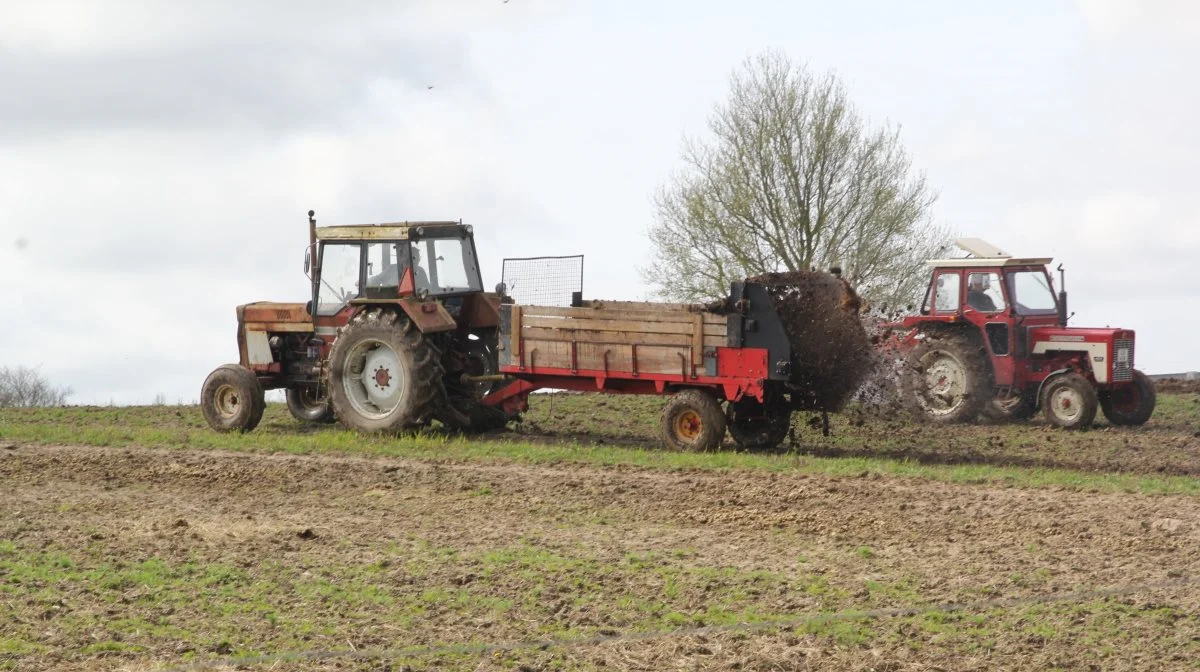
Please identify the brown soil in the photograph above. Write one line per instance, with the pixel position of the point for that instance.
(946, 543)
(1177, 386)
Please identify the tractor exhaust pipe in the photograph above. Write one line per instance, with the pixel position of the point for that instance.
(1062, 297)
(312, 248)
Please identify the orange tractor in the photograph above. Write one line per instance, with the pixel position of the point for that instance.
(399, 332)
(992, 340)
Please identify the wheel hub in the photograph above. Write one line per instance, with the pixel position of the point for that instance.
(688, 425)
(1067, 403)
(226, 401)
(374, 379)
(945, 382)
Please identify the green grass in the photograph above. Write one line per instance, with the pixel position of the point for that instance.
(577, 416)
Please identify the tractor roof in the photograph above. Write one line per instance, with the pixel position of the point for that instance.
(388, 231)
(985, 254)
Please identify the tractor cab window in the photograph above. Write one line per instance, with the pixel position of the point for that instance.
(946, 292)
(984, 293)
(1031, 293)
(445, 266)
(386, 263)
(339, 276)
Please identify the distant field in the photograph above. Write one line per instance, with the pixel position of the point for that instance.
(137, 539)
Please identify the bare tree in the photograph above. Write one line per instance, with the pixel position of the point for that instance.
(792, 179)
(23, 387)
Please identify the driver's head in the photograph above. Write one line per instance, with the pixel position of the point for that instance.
(978, 283)
(416, 254)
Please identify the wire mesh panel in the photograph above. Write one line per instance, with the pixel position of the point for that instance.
(543, 281)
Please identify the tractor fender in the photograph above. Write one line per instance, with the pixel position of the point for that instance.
(429, 316)
(1037, 401)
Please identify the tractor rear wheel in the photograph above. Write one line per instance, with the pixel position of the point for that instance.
(693, 420)
(1131, 404)
(232, 399)
(1070, 401)
(384, 374)
(307, 404)
(947, 379)
(757, 426)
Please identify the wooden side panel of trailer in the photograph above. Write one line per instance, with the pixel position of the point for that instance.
(624, 338)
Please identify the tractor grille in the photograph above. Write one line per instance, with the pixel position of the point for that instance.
(1122, 368)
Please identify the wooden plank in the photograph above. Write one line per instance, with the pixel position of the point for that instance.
(646, 315)
(603, 304)
(571, 324)
(650, 358)
(619, 337)
(698, 341)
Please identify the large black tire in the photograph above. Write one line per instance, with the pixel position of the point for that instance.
(384, 375)
(947, 379)
(232, 399)
(757, 426)
(693, 420)
(1131, 404)
(469, 414)
(308, 405)
(1070, 401)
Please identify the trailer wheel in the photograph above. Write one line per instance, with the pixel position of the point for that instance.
(693, 420)
(384, 374)
(307, 404)
(1070, 401)
(232, 399)
(757, 426)
(946, 379)
(1131, 404)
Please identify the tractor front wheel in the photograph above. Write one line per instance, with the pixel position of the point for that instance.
(757, 426)
(946, 379)
(232, 399)
(1070, 401)
(1130, 404)
(693, 420)
(384, 374)
(307, 404)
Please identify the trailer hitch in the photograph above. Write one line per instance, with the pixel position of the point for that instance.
(490, 378)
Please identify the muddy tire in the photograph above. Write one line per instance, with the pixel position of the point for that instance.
(1070, 401)
(693, 420)
(307, 405)
(1018, 409)
(232, 399)
(946, 379)
(755, 426)
(1131, 404)
(384, 375)
(472, 416)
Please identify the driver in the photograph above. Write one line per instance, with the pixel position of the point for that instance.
(420, 279)
(977, 286)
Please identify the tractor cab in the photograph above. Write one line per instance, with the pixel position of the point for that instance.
(992, 338)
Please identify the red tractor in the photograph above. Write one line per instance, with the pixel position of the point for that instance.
(398, 332)
(992, 340)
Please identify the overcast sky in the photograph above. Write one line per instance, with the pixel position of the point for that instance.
(157, 161)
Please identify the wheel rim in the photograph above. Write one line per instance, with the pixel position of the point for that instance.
(1067, 404)
(309, 398)
(688, 426)
(373, 379)
(945, 381)
(227, 401)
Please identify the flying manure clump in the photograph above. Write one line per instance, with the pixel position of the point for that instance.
(831, 351)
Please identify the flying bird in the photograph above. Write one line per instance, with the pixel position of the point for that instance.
(429, 87)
